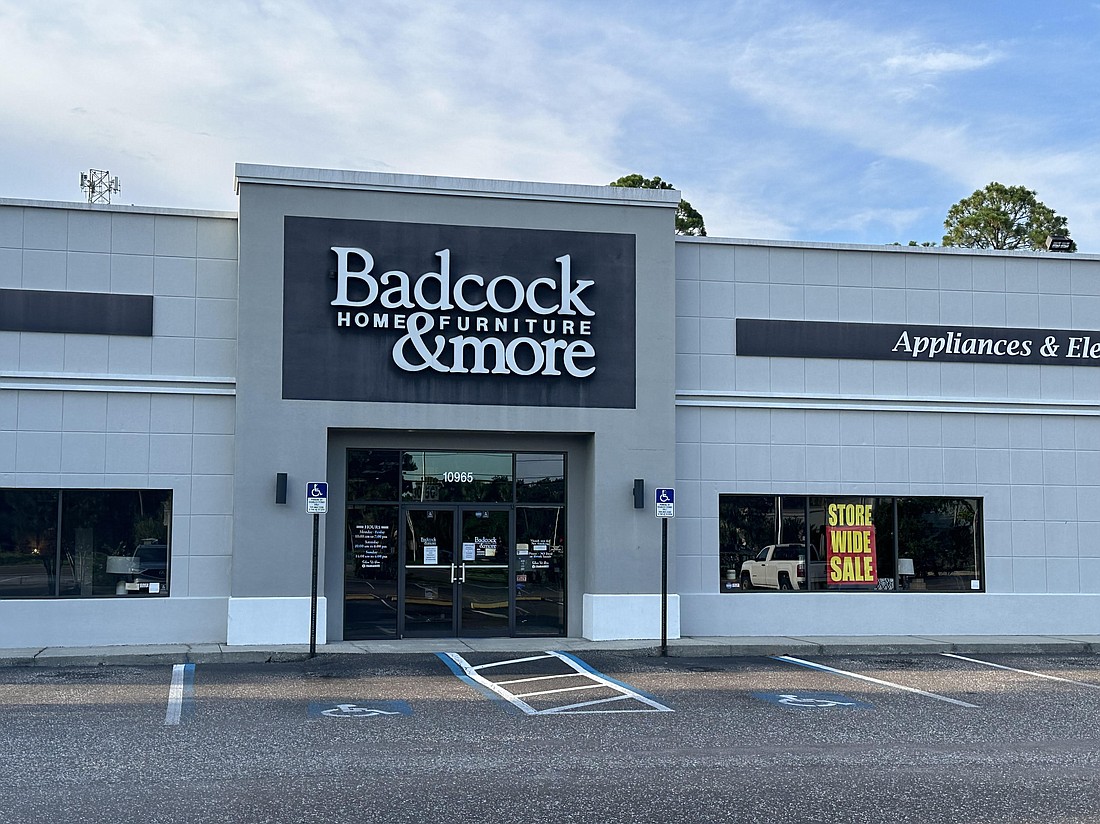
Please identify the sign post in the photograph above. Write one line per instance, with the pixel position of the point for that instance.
(664, 507)
(317, 504)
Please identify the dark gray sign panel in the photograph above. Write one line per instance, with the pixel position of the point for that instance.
(913, 342)
(83, 313)
(424, 313)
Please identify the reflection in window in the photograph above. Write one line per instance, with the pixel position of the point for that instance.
(477, 477)
(373, 474)
(113, 542)
(540, 570)
(370, 571)
(939, 538)
(28, 543)
(540, 478)
(851, 542)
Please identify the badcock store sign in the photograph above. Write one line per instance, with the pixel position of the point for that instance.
(424, 313)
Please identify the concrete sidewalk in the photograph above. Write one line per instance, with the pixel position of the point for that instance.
(679, 647)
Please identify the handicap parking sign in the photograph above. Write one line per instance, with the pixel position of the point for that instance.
(317, 497)
(664, 500)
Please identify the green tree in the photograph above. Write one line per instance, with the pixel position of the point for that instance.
(1003, 217)
(688, 220)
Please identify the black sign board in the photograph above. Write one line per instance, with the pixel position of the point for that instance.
(424, 313)
(83, 313)
(913, 342)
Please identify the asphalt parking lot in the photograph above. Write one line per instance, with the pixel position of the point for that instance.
(590, 736)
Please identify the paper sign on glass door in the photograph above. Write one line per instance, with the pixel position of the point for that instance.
(431, 553)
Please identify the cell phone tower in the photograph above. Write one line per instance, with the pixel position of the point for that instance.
(98, 185)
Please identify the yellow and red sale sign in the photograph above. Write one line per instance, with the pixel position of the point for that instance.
(850, 546)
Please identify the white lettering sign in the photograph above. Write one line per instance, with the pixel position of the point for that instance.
(414, 306)
(955, 343)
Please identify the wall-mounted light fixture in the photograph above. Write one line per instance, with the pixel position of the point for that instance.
(639, 493)
(1059, 243)
(280, 487)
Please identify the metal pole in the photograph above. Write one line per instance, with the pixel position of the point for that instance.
(664, 587)
(313, 591)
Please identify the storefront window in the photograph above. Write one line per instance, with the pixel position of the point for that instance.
(476, 477)
(540, 569)
(939, 544)
(113, 542)
(849, 544)
(540, 478)
(370, 571)
(28, 543)
(373, 474)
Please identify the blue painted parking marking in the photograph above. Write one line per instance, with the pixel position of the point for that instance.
(356, 708)
(460, 673)
(812, 700)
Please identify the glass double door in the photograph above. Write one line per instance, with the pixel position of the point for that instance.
(456, 571)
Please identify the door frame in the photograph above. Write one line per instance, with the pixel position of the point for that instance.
(457, 510)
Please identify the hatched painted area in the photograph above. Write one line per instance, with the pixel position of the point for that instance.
(552, 683)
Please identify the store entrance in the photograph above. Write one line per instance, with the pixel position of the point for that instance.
(457, 562)
(444, 544)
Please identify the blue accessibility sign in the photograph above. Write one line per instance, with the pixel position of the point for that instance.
(317, 497)
(664, 501)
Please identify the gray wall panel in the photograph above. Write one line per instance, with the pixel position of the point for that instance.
(614, 549)
(86, 411)
(1019, 436)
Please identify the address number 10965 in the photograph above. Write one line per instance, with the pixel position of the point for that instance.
(458, 477)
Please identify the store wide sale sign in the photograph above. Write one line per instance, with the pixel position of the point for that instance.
(850, 559)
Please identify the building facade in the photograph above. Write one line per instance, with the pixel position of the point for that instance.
(492, 378)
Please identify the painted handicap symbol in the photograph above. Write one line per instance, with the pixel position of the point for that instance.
(354, 711)
(811, 700)
(796, 701)
(349, 708)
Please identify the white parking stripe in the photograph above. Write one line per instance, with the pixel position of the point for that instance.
(792, 660)
(513, 661)
(1021, 671)
(175, 696)
(179, 693)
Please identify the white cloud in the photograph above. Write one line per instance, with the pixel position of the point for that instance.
(781, 119)
(184, 91)
(939, 62)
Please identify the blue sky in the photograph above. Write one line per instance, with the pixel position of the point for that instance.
(857, 122)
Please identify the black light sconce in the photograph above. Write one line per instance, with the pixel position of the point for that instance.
(280, 487)
(639, 493)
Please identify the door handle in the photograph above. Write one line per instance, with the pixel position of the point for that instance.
(461, 576)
